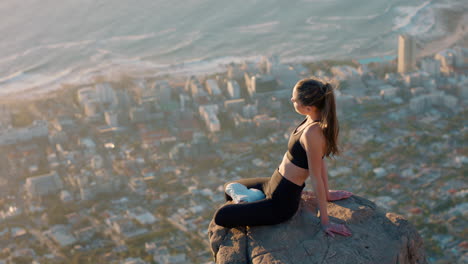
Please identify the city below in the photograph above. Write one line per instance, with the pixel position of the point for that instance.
(131, 171)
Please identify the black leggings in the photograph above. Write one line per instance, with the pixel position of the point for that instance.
(281, 203)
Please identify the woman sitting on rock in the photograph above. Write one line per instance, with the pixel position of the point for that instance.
(311, 141)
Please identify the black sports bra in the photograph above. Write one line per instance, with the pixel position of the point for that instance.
(296, 153)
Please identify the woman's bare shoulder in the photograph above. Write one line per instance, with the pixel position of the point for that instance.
(313, 136)
(314, 130)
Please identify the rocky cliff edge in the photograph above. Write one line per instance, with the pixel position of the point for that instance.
(378, 237)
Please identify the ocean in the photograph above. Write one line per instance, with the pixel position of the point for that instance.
(48, 43)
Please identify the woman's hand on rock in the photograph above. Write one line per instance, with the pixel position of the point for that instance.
(339, 229)
(334, 195)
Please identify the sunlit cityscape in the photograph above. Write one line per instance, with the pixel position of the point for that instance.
(131, 169)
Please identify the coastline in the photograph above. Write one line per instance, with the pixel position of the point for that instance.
(451, 37)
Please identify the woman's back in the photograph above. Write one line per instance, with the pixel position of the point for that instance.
(294, 165)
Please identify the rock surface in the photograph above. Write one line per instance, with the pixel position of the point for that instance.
(378, 237)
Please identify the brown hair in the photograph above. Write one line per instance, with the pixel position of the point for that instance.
(312, 92)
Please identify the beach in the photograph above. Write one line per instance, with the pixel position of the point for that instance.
(142, 44)
(458, 35)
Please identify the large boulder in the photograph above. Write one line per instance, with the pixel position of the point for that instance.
(378, 237)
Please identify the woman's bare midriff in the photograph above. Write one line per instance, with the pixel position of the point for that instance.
(292, 172)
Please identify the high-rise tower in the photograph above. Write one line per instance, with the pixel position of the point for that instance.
(406, 53)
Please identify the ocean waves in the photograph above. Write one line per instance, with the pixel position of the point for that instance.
(27, 85)
(262, 28)
(414, 20)
(198, 38)
(315, 23)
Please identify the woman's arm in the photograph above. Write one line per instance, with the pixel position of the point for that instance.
(313, 142)
(325, 179)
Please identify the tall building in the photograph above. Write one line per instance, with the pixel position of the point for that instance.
(212, 87)
(194, 88)
(44, 184)
(163, 90)
(233, 89)
(406, 53)
(260, 83)
(105, 94)
(267, 64)
(111, 118)
(431, 66)
(209, 115)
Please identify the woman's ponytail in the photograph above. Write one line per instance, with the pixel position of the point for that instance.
(330, 124)
(320, 94)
